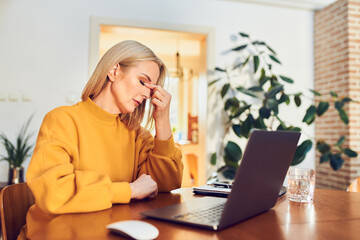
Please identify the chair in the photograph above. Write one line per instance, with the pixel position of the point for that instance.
(15, 200)
(354, 186)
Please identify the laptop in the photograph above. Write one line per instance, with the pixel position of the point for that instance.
(257, 183)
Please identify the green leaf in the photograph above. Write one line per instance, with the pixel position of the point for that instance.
(237, 129)
(264, 112)
(263, 78)
(259, 123)
(239, 48)
(315, 92)
(301, 152)
(343, 116)
(275, 90)
(243, 34)
(297, 100)
(294, 129)
(228, 172)
(274, 59)
(336, 161)
(256, 89)
(346, 99)
(17, 152)
(333, 94)
(339, 104)
(286, 79)
(247, 59)
(231, 102)
(230, 162)
(247, 92)
(274, 81)
(340, 141)
(247, 126)
(258, 43)
(280, 127)
(322, 108)
(237, 65)
(273, 105)
(325, 157)
(224, 89)
(233, 151)
(256, 63)
(322, 147)
(240, 110)
(271, 50)
(214, 81)
(350, 153)
(284, 98)
(310, 115)
(220, 69)
(213, 159)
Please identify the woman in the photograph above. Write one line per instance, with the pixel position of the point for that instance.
(95, 153)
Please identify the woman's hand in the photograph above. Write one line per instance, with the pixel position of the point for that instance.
(161, 100)
(143, 187)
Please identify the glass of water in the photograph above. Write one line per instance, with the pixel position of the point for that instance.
(301, 184)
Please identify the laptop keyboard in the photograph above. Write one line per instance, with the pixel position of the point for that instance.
(207, 215)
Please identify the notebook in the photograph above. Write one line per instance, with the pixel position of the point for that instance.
(222, 190)
(257, 183)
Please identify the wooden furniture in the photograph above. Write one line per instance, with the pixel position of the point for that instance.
(192, 161)
(193, 129)
(2, 185)
(354, 186)
(15, 201)
(196, 161)
(333, 215)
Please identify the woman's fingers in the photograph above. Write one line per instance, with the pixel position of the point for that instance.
(143, 187)
(160, 97)
(158, 90)
(159, 104)
(153, 194)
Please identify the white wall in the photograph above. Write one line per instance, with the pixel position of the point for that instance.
(44, 46)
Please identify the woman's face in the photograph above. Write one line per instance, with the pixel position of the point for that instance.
(128, 89)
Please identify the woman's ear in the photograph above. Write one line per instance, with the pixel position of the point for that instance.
(114, 71)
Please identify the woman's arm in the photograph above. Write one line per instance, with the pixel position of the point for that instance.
(161, 100)
(158, 156)
(161, 159)
(57, 185)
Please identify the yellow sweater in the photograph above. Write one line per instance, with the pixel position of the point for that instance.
(85, 158)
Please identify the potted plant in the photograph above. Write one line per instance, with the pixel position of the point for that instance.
(17, 153)
(253, 95)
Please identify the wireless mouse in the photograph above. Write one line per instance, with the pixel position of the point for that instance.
(135, 229)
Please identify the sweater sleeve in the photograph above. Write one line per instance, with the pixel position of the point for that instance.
(161, 159)
(57, 185)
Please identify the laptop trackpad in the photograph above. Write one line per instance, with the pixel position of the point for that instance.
(189, 206)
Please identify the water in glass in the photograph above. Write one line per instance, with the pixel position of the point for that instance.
(301, 184)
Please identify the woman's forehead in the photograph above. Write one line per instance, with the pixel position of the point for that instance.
(148, 69)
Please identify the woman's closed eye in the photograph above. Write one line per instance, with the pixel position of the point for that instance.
(142, 83)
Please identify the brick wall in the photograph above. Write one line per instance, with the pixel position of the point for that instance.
(337, 68)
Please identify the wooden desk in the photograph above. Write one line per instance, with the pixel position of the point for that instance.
(333, 215)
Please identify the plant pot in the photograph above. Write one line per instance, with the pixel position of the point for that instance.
(16, 175)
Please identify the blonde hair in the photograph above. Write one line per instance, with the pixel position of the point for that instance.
(127, 54)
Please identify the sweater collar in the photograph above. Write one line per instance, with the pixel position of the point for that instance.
(98, 112)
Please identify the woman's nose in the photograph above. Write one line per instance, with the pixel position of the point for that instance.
(146, 93)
